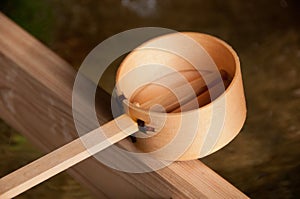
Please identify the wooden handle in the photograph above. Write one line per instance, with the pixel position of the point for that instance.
(66, 156)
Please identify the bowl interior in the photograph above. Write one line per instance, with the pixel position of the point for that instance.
(187, 54)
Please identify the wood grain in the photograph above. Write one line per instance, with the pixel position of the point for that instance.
(35, 98)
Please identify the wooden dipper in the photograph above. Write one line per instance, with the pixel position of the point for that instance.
(74, 152)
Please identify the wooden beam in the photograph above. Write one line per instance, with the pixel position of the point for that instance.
(35, 98)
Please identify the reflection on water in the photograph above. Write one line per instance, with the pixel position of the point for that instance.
(143, 8)
(263, 161)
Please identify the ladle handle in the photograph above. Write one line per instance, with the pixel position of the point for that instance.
(66, 156)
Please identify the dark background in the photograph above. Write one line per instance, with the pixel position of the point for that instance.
(264, 160)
